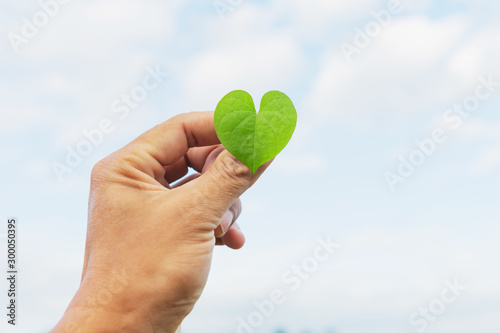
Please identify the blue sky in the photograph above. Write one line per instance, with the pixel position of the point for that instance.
(356, 120)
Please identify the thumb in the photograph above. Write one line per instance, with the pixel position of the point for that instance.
(224, 179)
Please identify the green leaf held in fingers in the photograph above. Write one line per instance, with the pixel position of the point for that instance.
(255, 138)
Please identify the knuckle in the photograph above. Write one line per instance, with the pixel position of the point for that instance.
(98, 169)
(103, 168)
(98, 173)
(233, 169)
(177, 118)
(180, 118)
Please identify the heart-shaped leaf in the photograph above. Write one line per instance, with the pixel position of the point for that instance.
(255, 138)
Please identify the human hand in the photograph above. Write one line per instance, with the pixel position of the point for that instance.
(149, 244)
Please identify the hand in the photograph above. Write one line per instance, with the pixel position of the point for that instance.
(149, 244)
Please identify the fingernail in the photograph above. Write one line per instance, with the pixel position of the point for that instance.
(227, 219)
(225, 223)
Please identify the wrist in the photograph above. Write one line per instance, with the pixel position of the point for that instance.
(118, 307)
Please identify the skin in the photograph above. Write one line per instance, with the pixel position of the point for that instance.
(149, 241)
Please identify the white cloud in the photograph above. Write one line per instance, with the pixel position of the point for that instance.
(388, 273)
(480, 129)
(315, 17)
(488, 161)
(395, 74)
(96, 50)
(263, 61)
(478, 2)
(487, 135)
(478, 55)
(292, 164)
(466, 62)
(84, 59)
(256, 61)
(97, 30)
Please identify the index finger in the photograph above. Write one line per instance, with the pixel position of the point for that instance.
(169, 141)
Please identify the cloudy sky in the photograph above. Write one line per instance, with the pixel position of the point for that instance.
(395, 157)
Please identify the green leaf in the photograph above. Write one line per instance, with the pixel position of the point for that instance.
(255, 138)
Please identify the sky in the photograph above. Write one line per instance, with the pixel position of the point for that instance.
(392, 173)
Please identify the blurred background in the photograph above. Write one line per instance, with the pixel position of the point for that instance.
(381, 215)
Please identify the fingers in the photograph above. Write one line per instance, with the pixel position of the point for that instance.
(233, 238)
(186, 180)
(228, 218)
(224, 180)
(228, 232)
(171, 140)
(212, 157)
(195, 158)
(176, 171)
